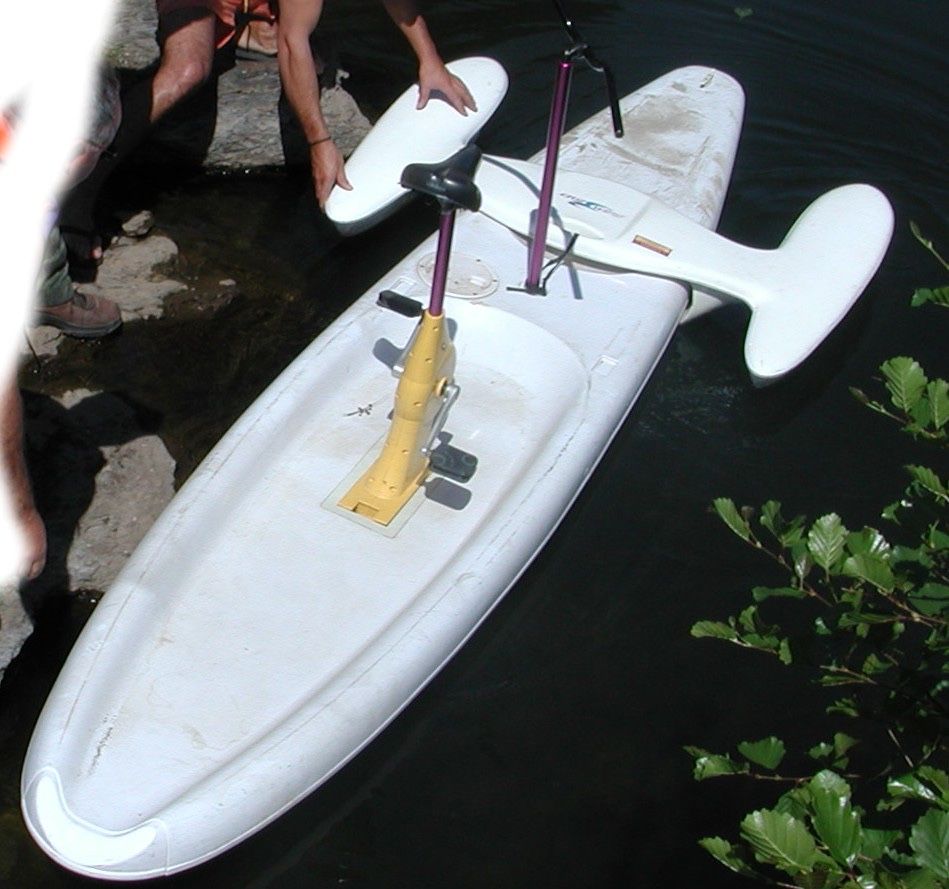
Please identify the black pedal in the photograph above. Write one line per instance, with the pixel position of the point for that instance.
(453, 462)
(400, 303)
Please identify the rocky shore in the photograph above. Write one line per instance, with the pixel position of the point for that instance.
(237, 123)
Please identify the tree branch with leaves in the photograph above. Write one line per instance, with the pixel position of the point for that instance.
(877, 634)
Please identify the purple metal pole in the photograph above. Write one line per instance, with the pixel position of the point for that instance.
(446, 227)
(558, 114)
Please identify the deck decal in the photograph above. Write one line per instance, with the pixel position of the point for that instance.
(575, 201)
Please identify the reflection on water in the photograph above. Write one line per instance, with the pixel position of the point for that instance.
(548, 752)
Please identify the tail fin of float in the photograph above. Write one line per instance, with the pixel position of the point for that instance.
(799, 292)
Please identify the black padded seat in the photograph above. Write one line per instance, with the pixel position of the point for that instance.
(450, 182)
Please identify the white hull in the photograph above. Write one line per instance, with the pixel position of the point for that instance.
(258, 638)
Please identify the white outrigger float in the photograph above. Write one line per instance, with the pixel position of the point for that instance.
(325, 561)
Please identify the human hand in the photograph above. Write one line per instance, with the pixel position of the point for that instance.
(326, 162)
(437, 78)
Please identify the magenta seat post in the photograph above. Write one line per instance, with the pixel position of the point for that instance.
(446, 227)
(558, 115)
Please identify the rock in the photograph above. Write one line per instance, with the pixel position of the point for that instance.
(234, 123)
(134, 485)
(129, 275)
(108, 478)
(42, 341)
(132, 42)
(138, 225)
(15, 624)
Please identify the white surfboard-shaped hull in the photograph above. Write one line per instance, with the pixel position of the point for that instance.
(259, 637)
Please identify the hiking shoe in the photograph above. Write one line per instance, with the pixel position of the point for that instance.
(85, 316)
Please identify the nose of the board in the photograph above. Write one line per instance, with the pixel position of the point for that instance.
(140, 851)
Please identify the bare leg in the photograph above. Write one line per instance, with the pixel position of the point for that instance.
(186, 60)
(13, 470)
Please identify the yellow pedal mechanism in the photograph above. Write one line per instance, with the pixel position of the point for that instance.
(402, 466)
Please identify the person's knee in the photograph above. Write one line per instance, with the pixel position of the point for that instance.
(189, 74)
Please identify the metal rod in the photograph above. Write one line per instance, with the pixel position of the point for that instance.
(558, 114)
(446, 227)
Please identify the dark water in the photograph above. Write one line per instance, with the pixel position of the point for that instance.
(548, 753)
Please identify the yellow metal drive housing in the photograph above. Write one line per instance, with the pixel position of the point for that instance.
(401, 467)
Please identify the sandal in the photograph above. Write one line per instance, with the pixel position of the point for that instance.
(256, 40)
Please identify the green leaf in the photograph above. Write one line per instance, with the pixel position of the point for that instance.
(826, 781)
(937, 539)
(760, 593)
(921, 879)
(921, 415)
(937, 393)
(926, 478)
(725, 853)
(786, 533)
(825, 540)
(845, 707)
(730, 515)
(713, 765)
(938, 779)
(868, 541)
(784, 652)
(905, 381)
(875, 842)
(843, 743)
(749, 620)
(938, 296)
(713, 629)
(802, 560)
(771, 517)
(890, 512)
(863, 619)
(873, 569)
(927, 784)
(910, 787)
(929, 839)
(833, 817)
(913, 555)
(873, 665)
(767, 752)
(930, 599)
(794, 802)
(770, 644)
(781, 840)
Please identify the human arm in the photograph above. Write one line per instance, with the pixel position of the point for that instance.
(433, 76)
(298, 18)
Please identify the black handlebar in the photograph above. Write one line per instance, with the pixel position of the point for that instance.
(580, 51)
